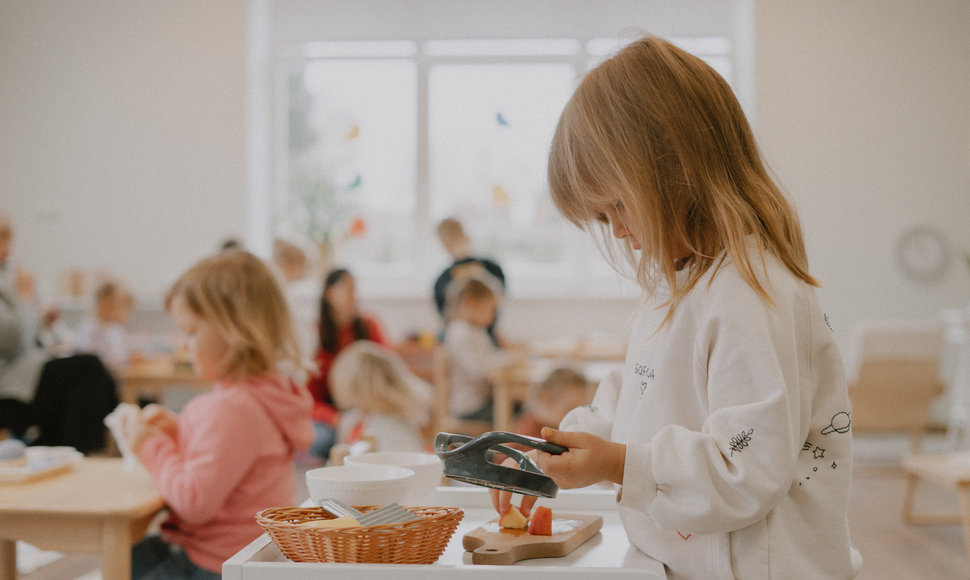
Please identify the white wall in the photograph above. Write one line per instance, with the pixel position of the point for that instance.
(123, 128)
(863, 111)
(122, 133)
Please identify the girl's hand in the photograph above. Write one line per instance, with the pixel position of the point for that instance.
(502, 500)
(138, 432)
(590, 459)
(161, 418)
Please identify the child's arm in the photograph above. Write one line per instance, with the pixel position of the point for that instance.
(160, 417)
(762, 369)
(196, 474)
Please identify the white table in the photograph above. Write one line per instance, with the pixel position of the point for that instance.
(608, 553)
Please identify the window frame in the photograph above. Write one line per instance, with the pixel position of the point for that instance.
(412, 280)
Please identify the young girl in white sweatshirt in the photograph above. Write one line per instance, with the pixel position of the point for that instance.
(727, 429)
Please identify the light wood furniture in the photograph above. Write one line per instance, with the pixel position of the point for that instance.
(154, 377)
(97, 507)
(951, 470)
(894, 378)
(578, 348)
(510, 386)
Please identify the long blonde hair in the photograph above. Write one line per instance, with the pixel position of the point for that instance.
(371, 378)
(658, 130)
(239, 295)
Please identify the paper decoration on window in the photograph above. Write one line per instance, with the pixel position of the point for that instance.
(501, 120)
(500, 197)
(355, 183)
(358, 228)
(352, 133)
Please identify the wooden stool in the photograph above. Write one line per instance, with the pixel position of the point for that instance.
(947, 469)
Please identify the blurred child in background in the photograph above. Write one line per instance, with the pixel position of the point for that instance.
(378, 396)
(341, 323)
(230, 452)
(103, 331)
(296, 261)
(549, 401)
(455, 241)
(472, 355)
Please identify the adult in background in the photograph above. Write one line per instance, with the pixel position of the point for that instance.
(341, 323)
(64, 399)
(464, 265)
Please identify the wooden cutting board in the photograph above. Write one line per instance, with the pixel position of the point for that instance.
(509, 546)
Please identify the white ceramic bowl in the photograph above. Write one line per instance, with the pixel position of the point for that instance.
(426, 466)
(360, 484)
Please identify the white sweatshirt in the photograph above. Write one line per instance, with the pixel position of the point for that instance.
(736, 420)
(473, 357)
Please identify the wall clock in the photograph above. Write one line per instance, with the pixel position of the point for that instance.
(923, 253)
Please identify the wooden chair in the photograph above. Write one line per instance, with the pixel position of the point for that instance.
(894, 379)
(950, 469)
(511, 383)
(441, 414)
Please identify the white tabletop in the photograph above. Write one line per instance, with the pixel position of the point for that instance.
(608, 552)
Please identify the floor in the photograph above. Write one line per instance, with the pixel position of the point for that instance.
(892, 550)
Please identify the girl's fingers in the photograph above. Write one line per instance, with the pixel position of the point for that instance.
(501, 500)
(564, 438)
(527, 502)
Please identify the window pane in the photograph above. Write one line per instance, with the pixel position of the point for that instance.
(506, 47)
(352, 49)
(490, 126)
(352, 156)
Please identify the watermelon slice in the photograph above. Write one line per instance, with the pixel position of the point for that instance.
(541, 522)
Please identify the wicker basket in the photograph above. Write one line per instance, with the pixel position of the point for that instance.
(415, 542)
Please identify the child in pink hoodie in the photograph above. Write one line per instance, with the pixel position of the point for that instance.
(230, 452)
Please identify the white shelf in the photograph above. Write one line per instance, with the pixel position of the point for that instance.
(607, 553)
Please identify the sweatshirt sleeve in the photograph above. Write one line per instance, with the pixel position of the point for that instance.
(197, 473)
(597, 417)
(734, 470)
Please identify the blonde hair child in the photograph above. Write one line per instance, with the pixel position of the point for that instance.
(380, 397)
(230, 452)
(720, 427)
(472, 355)
(548, 402)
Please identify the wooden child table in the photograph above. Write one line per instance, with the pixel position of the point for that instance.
(96, 507)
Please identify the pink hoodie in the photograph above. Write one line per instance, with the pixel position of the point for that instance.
(232, 456)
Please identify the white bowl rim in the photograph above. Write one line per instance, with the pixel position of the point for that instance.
(395, 458)
(360, 473)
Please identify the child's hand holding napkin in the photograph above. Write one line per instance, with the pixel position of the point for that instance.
(130, 426)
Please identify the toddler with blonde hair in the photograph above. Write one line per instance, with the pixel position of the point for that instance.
(380, 397)
(230, 452)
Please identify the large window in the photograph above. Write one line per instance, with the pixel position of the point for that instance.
(384, 139)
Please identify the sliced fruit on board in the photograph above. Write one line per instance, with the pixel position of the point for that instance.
(541, 522)
(513, 519)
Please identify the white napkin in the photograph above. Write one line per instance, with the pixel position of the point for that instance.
(122, 422)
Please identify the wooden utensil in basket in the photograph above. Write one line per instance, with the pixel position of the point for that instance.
(416, 542)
